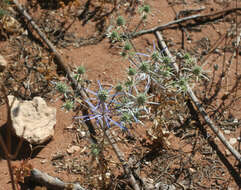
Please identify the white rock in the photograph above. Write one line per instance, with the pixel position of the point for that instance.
(83, 133)
(227, 132)
(33, 120)
(108, 174)
(232, 141)
(73, 149)
(43, 161)
(192, 170)
(227, 152)
(3, 63)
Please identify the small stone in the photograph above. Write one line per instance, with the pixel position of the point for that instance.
(73, 149)
(25, 32)
(3, 63)
(164, 186)
(70, 127)
(83, 149)
(43, 161)
(108, 175)
(227, 152)
(83, 133)
(233, 141)
(192, 170)
(217, 51)
(227, 132)
(146, 162)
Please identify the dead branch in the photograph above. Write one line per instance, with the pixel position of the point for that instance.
(75, 86)
(198, 19)
(199, 106)
(48, 181)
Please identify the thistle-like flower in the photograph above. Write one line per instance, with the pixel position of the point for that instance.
(103, 107)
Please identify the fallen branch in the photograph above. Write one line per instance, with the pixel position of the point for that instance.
(77, 88)
(50, 182)
(199, 19)
(199, 105)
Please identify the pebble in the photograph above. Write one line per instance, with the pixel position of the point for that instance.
(227, 152)
(233, 141)
(73, 149)
(108, 175)
(43, 161)
(235, 120)
(227, 132)
(83, 133)
(3, 63)
(192, 170)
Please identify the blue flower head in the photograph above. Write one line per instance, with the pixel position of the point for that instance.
(103, 107)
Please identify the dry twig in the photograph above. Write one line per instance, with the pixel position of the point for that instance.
(199, 19)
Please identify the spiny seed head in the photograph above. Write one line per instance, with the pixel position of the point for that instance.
(129, 83)
(197, 70)
(126, 117)
(114, 35)
(131, 71)
(80, 70)
(120, 21)
(144, 67)
(182, 82)
(61, 87)
(68, 105)
(146, 9)
(123, 54)
(186, 56)
(95, 150)
(144, 17)
(141, 99)
(119, 88)
(215, 67)
(127, 46)
(102, 95)
(165, 74)
(155, 56)
(166, 60)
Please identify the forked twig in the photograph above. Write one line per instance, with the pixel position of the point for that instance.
(199, 105)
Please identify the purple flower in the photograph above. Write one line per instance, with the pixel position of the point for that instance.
(103, 108)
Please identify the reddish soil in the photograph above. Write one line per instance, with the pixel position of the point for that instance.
(192, 162)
